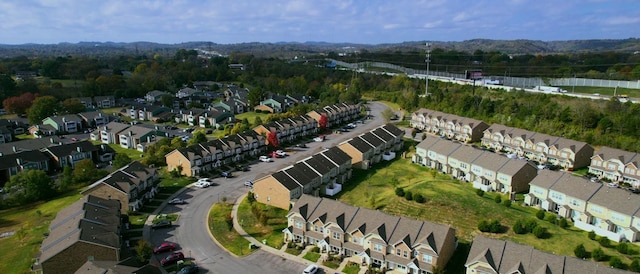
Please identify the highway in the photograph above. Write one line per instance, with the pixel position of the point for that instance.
(192, 236)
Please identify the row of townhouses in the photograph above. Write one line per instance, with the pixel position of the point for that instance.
(108, 101)
(87, 230)
(131, 185)
(47, 154)
(485, 170)
(70, 123)
(200, 158)
(370, 237)
(204, 157)
(9, 129)
(566, 153)
(492, 256)
(608, 211)
(325, 172)
(128, 136)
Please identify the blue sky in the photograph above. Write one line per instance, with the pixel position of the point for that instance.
(356, 21)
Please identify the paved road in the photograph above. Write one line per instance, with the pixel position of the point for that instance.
(191, 232)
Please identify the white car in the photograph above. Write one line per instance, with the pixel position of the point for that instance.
(176, 201)
(204, 182)
(264, 159)
(312, 269)
(281, 153)
(248, 184)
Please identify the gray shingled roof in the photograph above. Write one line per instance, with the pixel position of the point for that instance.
(285, 180)
(616, 199)
(574, 186)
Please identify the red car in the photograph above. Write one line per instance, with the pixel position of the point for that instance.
(275, 155)
(164, 247)
(172, 258)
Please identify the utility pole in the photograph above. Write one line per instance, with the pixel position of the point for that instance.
(428, 60)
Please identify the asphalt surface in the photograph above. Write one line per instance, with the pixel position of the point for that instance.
(192, 236)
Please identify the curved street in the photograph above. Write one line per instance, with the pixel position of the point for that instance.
(191, 233)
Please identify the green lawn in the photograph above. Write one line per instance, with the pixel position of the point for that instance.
(30, 223)
(222, 230)
(251, 116)
(456, 204)
(312, 256)
(270, 229)
(351, 268)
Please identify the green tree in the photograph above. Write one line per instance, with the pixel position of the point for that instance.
(41, 108)
(598, 254)
(85, 172)
(67, 178)
(30, 185)
(635, 265)
(616, 262)
(121, 160)
(72, 106)
(144, 250)
(257, 121)
(167, 100)
(198, 137)
(387, 114)
(255, 96)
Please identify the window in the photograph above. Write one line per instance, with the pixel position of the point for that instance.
(336, 235)
(355, 239)
(427, 258)
(398, 251)
(298, 224)
(405, 254)
(377, 247)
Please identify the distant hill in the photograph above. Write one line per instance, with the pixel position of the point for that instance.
(289, 49)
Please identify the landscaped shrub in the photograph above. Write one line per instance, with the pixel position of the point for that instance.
(408, 195)
(530, 225)
(604, 241)
(591, 235)
(498, 199)
(400, 192)
(540, 214)
(506, 203)
(623, 248)
(581, 252)
(251, 198)
(480, 192)
(540, 232)
(419, 198)
(635, 265)
(495, 226)
(616, 262)
(315, 249)
(562, 222)
(484, 226)
(598, 254)
(551, 218)
(519, 227)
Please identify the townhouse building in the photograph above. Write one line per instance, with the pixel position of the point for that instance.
(323, 173)
(608, 211)
(370, 237)
(93, 119)
(109, 133)
(233, 105)
(617, 166)
(546, 149)
(156, 95)
(135, 137)
(370, 148)
(13, 163)
(70, 123)
(70, 154)
(448, 125)
(505, 257)
(132, 185)
(485, 170)
(204, 157)
(87, 230)
(105, 101)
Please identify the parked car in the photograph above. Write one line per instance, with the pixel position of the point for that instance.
(161, 224)
(203, 182)
(189, 269)
(172, 258)
(281, 153)
(248, 183)
(301, 145)
(164, 247)
(242, 168)
(319, 138)
(265, 159)
(275, 155)
(226, 174)
(176, 201)
(312, 269)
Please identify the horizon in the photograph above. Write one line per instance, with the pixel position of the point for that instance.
(355, 22)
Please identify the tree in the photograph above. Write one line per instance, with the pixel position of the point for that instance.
(581, 252)
(540, 232)
(400, 191)
(72, 106)
(255, 96)
(616, 262)
(540, 214)
(272, 139)
(598, 254)
(41, 108)
(144, 250)
(167, 100)
(30, 185)
(85, 172)
(19, 104)
(323, 122)
(121, 160)
(67, 178)
(635, 265)
(198, 137)
(257, 121)
(519, 228)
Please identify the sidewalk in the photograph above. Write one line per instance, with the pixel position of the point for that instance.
(281, 252)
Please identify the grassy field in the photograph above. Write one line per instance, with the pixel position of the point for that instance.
(30, 223)
(222, 230)
(456, 204)
(270, 230)
(252, 115)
